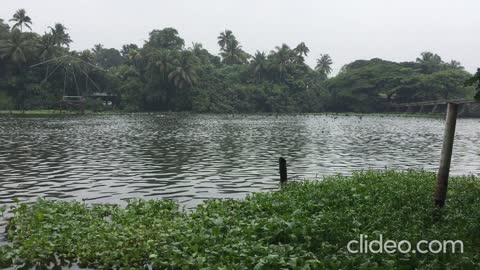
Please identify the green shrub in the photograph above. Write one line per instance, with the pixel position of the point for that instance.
(6, 103)
(94, 104)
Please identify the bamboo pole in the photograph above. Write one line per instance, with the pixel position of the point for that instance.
(446, 155)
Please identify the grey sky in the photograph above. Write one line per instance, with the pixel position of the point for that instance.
(346, 29)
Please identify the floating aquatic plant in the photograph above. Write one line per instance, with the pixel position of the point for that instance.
(306, 225)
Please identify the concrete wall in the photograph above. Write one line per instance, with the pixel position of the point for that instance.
(469, 110)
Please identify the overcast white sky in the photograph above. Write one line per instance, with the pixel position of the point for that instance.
(397, 30)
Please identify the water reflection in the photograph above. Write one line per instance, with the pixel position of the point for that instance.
(193, 157)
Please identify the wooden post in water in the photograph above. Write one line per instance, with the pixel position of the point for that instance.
(446, 156)
(282, 163)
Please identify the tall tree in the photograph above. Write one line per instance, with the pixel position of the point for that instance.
(21, 19)
(97, 48)
(47, 50)
(230, 49)
(60, 35)
(282, 60)
(202, 54)
(107, 58)
(324, 65)
(166, 38)
(16, 48)
(225, 38)
(430, 62)
(455, 65)
(134, 56)
(127, 48)
(185, 71)
(302, 49)
(47, 46)
(426, 57)
(448, 83)
(259, 64)
(475, 79)
(197, 48)
(165, 62)
(234, 54)
(4, 29)
(87, 56)
(182, 76)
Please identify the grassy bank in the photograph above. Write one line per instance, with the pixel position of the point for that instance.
(304, 226)
(38, 112)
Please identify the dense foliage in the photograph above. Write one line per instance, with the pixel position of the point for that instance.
(363, 85)
(475, 79)
(164, 75)
(306, 225)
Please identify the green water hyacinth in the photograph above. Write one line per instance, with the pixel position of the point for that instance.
(306, 225)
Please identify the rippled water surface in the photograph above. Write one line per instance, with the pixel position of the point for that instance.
(193, 157)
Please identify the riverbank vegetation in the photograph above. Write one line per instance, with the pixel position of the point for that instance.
(306, 225)
(165, 74)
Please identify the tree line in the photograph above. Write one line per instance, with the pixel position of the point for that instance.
(164, 74)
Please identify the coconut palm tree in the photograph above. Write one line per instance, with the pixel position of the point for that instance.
(127, 48)
(233, 54)
(15, 48)
(197, 48)
(87, 56)
(165, 62)
(4, 29)
(430, 62)
(302, 49)
(259, 64)
(225, 38)
(97, 48)
(324, 64)
(60, 35)
(184, 74)
(455, 65)
(134, 56)
(47, 46)
(47, 49)
(201, 53)
(429, 57)
(282, 60)
(231, 50)
(21, 19)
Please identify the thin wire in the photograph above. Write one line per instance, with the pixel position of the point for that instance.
(94, 84)
(89, 64)
(49, 75)
(65, 83)
(88, 77)
(44, 62)
(73, 72)
(76, 83)
(86, 83)
(69, 56)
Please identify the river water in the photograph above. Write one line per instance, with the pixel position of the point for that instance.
(111, 158)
